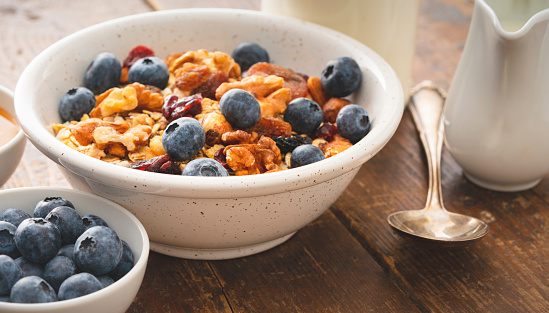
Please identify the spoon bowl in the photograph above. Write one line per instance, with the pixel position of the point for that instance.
(434, 223)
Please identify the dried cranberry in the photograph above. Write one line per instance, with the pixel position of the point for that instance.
(220, 157)
(175, 108)
(137, 53)
(288, 144)
(326, 131)
(208, 88)
(161, 164)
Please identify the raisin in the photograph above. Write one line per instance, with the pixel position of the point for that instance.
(174, 108)
(161, 164)
(220, 157)
(137, 53)
(288, 144)
(271, 127)
(208, 88)
(326, 131)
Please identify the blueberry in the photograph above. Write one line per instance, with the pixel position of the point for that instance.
(32, 289)
(341, 77)
(183, 138)
(38, 240)
(10, 273)
(305, 154)
(98, 250)
(247, 54)
(44, 207)
(91, 220)
(58, 269)
(103, 73)
(353, 122)
(67, 250)
(75, 103)
(7, 242)
(204, 167)
(125, 264)
(304, 115)
(240, 108)
(30, 268)
(69, 223)
(149, 71)
(79, 285)
(105, 280)
(14, 216)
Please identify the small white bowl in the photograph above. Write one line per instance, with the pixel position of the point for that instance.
(210, 217)
(11, 152)
(114, 298)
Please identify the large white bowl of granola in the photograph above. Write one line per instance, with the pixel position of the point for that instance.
(114, 149)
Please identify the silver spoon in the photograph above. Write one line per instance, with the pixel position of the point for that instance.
(434, 223)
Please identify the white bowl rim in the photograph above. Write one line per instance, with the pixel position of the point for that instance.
(20, 136)
(93, 297)
(201, 187)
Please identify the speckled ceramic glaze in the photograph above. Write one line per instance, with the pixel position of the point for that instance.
(118, 296)
(11, 152)
(210, 217)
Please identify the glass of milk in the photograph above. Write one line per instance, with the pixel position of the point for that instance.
(386, 26)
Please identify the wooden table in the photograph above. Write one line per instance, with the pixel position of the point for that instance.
(349, 260)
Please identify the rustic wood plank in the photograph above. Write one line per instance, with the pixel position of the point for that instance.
(321, 269)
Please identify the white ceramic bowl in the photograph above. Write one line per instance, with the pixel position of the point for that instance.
(210, 217)
(114, 298)
(10, 152)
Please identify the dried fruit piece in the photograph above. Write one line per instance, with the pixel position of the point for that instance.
(288, 144)
(315, 89)
(175, 108)
(208, 88)
(326, 131)
(162, 164)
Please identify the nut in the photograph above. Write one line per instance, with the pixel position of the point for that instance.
(331, 108)
(239, 137)
(337, 145)
(215, 125)
(115, 100)
(251, 159)
(314, 84)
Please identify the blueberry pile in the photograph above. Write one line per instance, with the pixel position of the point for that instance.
(183, 136)
(56, 254)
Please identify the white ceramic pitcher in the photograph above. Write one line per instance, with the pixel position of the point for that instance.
(497, 109)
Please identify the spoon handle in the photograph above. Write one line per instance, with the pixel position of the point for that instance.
(427, 108)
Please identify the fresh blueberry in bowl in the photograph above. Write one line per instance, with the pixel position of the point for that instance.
(98, 250)
(341, 77)
(103, 73)
(240, 108)
(79, 285)
(29, 268)
(304, 115)
(37, 239)
(44, 207)
(14, 216)
(68, 222)
(32, 289)
(75, 103)
(353, 122)
(183, 138)
(247, 54)
(305, 154)
(7, 242)
(10, 273)
(58, 269)
(124, 266)
(204, 167)
(149, 71)
(90, 220)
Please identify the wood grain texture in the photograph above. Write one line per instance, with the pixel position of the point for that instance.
(349, 260)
